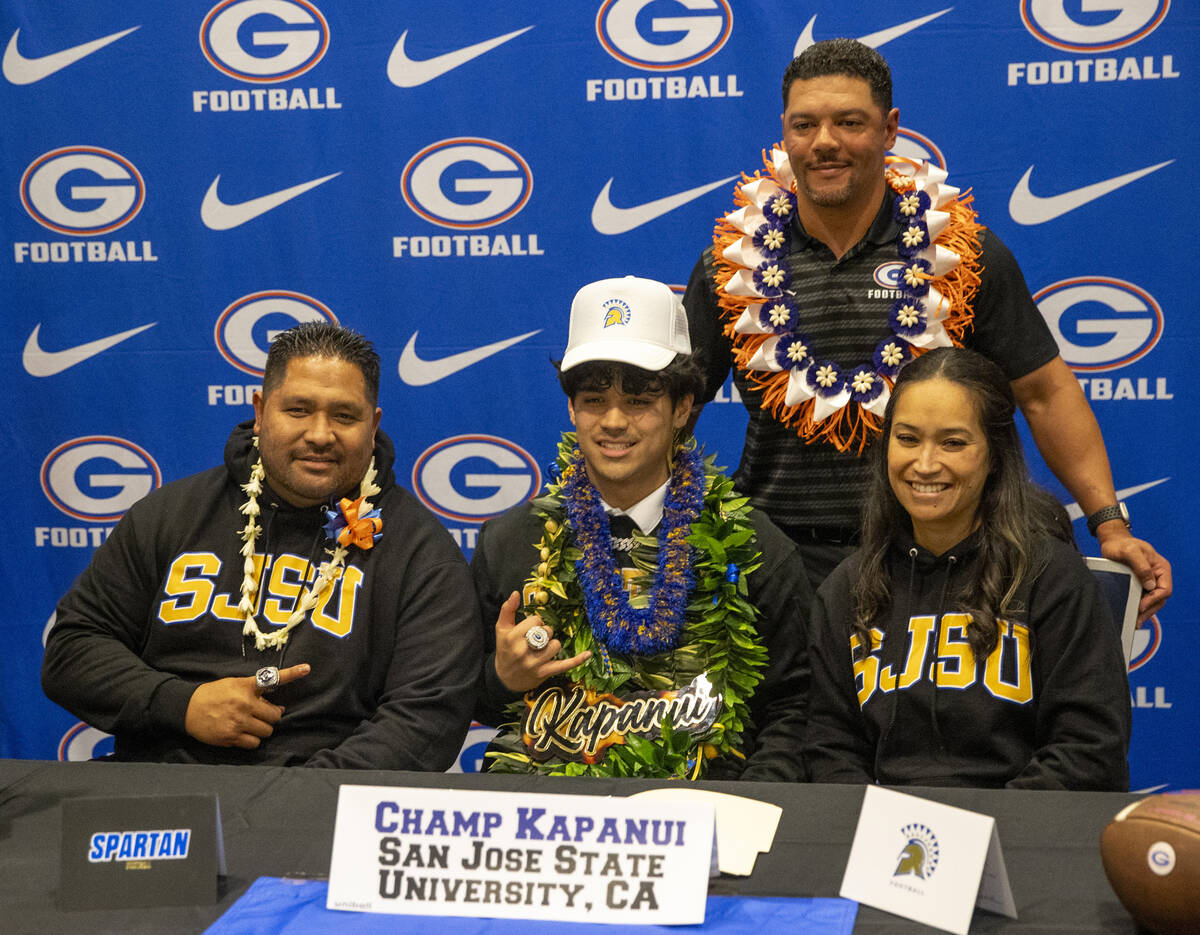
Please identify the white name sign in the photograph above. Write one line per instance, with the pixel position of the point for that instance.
(519, 855)
(926, 861)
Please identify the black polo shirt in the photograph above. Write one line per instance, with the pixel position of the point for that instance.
(844, 305)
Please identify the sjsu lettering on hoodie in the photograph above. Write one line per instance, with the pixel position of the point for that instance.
(1005, 673)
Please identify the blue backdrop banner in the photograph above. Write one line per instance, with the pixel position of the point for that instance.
(182, 180)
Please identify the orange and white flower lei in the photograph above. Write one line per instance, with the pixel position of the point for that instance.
(821, 400)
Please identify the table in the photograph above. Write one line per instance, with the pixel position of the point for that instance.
(279, 822)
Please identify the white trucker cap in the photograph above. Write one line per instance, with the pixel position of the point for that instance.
(630, 320)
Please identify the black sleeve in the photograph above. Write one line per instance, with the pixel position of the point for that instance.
(837, 747)
(1009, 328)
(493, 580)
(712, 348)
(781, 591)
(424, 711)
(1080, 682)
(92, 665)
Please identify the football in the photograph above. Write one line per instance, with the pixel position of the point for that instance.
(1151, 855)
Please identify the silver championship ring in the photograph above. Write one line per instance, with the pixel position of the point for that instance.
(537, 638)
(267, 678)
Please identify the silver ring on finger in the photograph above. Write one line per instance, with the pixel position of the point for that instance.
(538, 638)
(267, 678)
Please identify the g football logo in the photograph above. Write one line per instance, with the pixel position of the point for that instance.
(913, 145)
(680, 41)
(1147, 638)
(82, 742)
(466, 183)
(1107, 26)
(470, 478)
(98, 477)
(1100, 323)
(82, 191)
(264, 41)
(245, 330)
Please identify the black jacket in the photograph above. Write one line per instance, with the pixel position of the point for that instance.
(506, 553)
(394, 649)
(1048, 709)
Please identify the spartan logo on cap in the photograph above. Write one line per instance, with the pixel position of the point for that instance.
(919, 857)
(82, 190)
(264, 41)
(1100, 323)
(695, 31)
(616, 312)
(1119, 23)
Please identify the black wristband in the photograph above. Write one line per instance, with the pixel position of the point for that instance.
(1104, 514)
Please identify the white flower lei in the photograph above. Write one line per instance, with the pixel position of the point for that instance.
(325, 575)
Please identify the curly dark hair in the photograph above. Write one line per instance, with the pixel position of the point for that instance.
(681, 377)
(842, 57)
(1013, 511)
(322, 339)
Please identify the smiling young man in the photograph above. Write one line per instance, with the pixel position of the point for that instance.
(302, 546)
(649, 593)
(835, 270)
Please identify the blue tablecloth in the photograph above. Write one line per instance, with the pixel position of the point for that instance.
(274, 906)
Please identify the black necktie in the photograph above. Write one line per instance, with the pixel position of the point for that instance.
(622, 529)
(621, 526)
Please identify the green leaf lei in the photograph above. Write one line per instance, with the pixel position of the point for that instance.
(719, 637)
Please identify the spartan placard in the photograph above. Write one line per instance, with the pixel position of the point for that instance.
(519, 855)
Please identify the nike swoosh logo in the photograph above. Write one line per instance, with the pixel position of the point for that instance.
(417, 372)
(39, 363)
(21, 70)
(875, 39)
(608, 219)
(1028, 208)
(1074, 512)
(405, 72)
(220, 216)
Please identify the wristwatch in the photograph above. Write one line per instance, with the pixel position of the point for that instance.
(1104, 514)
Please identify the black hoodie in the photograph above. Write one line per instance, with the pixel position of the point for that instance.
(394, 649)
(1048, 709)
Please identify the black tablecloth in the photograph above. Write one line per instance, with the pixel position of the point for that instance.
(279, 822)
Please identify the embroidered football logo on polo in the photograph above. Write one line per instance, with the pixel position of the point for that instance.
(616, 312)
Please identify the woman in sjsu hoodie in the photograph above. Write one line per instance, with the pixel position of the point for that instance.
(965, 643)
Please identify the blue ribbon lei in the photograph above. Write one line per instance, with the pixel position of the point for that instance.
(615, 623)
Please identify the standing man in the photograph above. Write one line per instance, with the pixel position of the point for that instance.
(174, 638)
(663, 622)
(832, 272)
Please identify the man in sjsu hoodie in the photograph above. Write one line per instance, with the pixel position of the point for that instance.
(293, 607)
